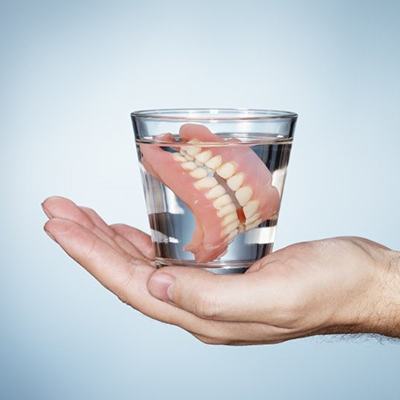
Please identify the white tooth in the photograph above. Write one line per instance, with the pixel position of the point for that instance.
(204, 156)
(189, 165)
(178, 157)
(182, 150)
(252, 218)
(226, 170)
(232, 235)
(226, 210)
(254, 224)
(214, 162)
(206, 183)
(229, 218)
(215, 192)
(250, 208)
(222, 201)
(193, 150)
(231, 227)
(235, 181)
(244, 195)
(185, 154)
(199, 173)
(191, 141)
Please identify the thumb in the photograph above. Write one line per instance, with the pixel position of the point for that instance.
(218, 297)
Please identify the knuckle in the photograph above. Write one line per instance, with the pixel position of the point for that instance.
(89, 213)
(206, 306)
(91, 248)
(124, 286)
(115, 233)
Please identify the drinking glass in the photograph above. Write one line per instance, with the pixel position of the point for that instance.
(213, 182)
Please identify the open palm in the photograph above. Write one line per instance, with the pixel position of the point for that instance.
(304, 289)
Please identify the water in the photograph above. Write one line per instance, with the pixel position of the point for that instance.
(171, 196)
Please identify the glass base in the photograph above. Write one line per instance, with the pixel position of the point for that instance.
(222, 268)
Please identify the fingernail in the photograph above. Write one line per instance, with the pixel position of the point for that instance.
(50, 235)
(160, 285)
(47, 212)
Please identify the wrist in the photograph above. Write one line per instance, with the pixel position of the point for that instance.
(373, 303)
(384, 317)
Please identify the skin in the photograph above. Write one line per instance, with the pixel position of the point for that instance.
(338, 285)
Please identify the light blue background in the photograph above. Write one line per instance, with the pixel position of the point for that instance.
(71, 72)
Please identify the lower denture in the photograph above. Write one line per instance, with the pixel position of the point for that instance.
(211, 197)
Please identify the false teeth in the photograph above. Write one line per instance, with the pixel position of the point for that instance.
(243, 195)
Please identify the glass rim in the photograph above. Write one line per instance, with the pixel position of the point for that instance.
(215, 114)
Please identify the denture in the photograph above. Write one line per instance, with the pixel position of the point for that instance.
(226, 186)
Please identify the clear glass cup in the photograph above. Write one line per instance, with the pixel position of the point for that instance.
(213, 182)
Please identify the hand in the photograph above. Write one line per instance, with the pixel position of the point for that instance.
(340, 285)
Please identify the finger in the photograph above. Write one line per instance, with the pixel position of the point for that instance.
(129, 282)
(108, 266)
(60, 207)
(127, 246)
(125, 277)
(138, 238)
(249, 297)
(97, 220)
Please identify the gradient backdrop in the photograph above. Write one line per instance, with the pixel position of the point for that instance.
(71, 72)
